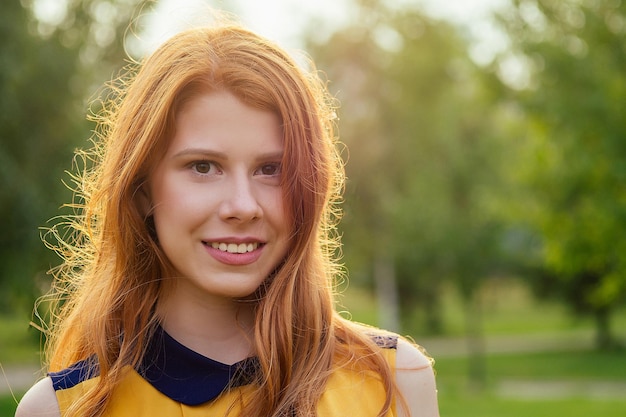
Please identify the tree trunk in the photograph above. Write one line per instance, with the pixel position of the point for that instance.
(604, 336)
(477, 361)
(387, 293)
(432, 310)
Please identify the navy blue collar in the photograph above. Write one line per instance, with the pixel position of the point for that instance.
(188, 377)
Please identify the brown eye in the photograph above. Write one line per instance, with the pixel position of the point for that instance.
(270, 169)
(202, 167)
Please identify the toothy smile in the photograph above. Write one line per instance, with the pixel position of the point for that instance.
(234, 247)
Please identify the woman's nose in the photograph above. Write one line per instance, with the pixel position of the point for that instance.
(240, 203)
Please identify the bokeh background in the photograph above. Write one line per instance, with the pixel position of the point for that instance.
(485, 208)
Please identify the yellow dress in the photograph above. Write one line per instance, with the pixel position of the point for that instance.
(188, 384)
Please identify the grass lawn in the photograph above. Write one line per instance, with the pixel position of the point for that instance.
(8, 405)
(580, 369)
(19, 342)
(574, 365)
(488, 406)
(457, 398)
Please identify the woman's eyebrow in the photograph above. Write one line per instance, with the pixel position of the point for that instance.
(270, 156)
(264, 156)
(200, 151)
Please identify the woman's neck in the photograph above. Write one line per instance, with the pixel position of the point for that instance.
(220, 329)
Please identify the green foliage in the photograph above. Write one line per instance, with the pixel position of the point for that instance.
(574, 171)
(423, 158)
(46, 72)
(34, 132)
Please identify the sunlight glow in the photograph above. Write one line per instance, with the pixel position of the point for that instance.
(286, 20)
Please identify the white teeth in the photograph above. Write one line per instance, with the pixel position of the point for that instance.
(234, 248)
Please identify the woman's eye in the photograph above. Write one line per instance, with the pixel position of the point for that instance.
(203, 167)
(270, 169)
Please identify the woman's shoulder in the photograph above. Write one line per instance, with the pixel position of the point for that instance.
(40, 400)
(412, 356)
(408, 353)
(414, 373)
(415, 379)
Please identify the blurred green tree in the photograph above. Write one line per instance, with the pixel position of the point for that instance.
(572, 94)
(422, 162)
(50, 61)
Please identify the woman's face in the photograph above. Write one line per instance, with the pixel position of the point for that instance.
(217, 199)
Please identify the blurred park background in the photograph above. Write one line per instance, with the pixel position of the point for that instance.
(485, 208)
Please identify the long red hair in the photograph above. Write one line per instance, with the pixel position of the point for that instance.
(111, 278)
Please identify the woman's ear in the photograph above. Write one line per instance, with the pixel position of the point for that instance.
(143, 201)
(145, 207)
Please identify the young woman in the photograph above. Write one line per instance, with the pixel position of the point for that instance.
(199, 280)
